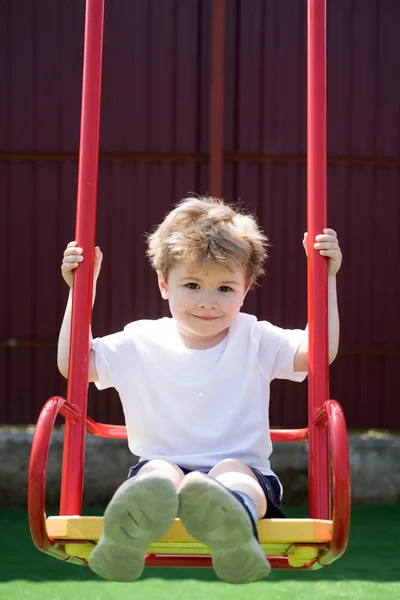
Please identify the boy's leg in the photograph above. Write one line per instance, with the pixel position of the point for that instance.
(238, 477)
(213, 512)
(164, 468)
(141, 511)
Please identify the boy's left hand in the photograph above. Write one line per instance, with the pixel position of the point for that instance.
(327, 244)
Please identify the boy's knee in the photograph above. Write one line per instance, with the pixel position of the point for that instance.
(237, 476)
(230, 465)
(164, 468)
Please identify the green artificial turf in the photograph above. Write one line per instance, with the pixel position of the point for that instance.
(370, 570)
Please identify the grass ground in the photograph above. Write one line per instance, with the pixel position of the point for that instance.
(370, 570)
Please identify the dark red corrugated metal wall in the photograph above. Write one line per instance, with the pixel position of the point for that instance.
(155, 142)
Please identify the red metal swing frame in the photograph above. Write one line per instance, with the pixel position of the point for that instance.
(326, 424)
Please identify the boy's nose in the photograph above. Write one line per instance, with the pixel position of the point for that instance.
(208, 301)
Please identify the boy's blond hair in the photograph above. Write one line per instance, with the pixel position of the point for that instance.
(204, 228)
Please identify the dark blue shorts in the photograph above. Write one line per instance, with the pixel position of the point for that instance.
(269, 485)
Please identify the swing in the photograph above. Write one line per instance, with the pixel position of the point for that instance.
(305, 544)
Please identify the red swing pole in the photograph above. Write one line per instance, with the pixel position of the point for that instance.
(318, 386)
(75, 432)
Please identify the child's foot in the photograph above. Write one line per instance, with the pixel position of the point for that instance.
(212, 515)
(138, 515)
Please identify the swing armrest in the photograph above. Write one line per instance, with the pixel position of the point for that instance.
(289, 435)
(37, 483)
(103, 430)
(119, 432)
(106, 431)
(331, 416)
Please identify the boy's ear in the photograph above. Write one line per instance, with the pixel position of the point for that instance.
(163, 285)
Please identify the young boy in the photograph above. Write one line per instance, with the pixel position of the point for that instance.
(195, 393)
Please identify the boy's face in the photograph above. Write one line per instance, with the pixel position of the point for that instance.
(204, 300)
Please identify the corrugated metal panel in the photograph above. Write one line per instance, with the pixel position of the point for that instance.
(156, 72)
(266, 77)
(159, 86)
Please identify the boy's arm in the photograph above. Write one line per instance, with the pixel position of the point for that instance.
(327, 244)
(73, 256)
(301, 357)
(64, 342)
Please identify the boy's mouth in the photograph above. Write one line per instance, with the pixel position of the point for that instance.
(205, 318)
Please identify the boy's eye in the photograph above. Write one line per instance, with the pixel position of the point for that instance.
(225, 288)
(192, 286)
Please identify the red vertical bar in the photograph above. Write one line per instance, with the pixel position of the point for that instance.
(217, 98)
(74, 436)
(319, 487)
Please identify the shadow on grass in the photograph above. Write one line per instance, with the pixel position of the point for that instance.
(372, 554)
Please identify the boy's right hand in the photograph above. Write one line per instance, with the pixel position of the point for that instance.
(73, 256)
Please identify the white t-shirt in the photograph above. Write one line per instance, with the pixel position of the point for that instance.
(198, 407)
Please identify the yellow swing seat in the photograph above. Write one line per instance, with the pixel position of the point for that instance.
(278, 538)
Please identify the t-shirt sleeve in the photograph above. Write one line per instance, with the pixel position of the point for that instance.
(111, 352)
(281, 346)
